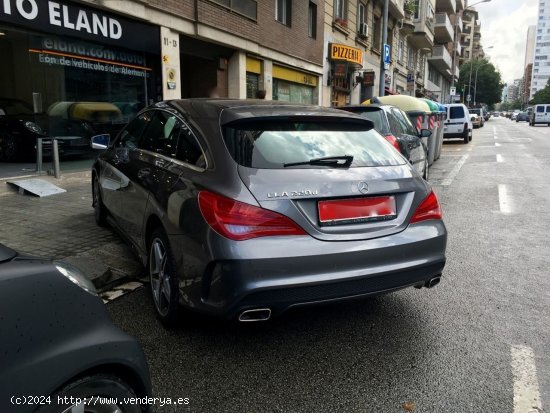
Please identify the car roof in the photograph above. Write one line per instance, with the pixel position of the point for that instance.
(229, 110)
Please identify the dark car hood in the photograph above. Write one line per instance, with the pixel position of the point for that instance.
(6, 254)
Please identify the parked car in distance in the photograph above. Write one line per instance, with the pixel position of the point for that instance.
(476, 120)
(244, 209)
(457, 122)
(522, 117)
(19, 128)
(479, 112)
(394, 124)
(540, 114)
(58, 342)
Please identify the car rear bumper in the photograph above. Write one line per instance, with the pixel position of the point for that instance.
(301, 272)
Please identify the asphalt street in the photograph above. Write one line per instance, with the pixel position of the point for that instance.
(477, 342)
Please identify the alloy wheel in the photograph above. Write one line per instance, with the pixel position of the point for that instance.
(160, 276)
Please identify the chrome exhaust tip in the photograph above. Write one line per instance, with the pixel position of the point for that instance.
(258, 314)
(432, 282)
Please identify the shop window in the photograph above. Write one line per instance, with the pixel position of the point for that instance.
(292, 92)
(252, 85)
(283, 11)
(312, 20)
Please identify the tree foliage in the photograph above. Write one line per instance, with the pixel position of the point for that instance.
(541, 96)
(487, 89)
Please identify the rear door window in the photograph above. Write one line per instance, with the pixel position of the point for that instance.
(547, 108)
(270, 144)
(395, 126)
(404, 122)
(129, 137)
(376, 117)
(161, 136)
(456, 112)
(540, 109)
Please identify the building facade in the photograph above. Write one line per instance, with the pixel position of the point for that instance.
(541, 61)
(127, 54)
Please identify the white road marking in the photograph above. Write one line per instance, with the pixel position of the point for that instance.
(497, 144)
(496, 137)
(504, 199)
(454, 172)
(526, 387)
(494, 130)
(499, 158)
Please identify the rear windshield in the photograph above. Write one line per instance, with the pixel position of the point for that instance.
(456, 112)
(272, 144)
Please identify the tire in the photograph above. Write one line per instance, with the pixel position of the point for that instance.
(100, 212)
(92, 388)
(470, 135)
(466, 136)
(164, 279)
(8, 148)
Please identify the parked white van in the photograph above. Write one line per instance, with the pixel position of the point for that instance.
(540, 114)
(457, 122)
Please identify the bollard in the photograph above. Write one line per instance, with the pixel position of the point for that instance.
(55, 159)
(39, 156)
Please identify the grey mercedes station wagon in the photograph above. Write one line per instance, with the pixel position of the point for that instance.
(243, 209)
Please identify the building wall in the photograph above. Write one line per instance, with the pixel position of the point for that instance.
(541, 65)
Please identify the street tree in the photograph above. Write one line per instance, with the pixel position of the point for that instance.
(489, 84)
(542, 96)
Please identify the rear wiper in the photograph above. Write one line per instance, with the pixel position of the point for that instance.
(343, 161)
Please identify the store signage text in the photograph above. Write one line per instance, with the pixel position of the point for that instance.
(347, 53)
(71, 18)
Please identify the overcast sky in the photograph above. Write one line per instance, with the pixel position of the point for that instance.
(504, 26)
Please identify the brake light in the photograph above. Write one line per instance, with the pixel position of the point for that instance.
(465, 126)
(393, 140)
(429, 208)
(239, 221)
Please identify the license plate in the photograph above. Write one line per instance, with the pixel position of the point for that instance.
(355, 210)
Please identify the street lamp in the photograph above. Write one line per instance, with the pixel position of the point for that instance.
(470, 81)
(475, 83)
(455, 40)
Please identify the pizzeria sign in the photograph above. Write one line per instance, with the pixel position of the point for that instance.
(346, 53)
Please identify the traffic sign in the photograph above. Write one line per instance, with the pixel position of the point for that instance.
(453, 91)
(387, 53)
(468, 98)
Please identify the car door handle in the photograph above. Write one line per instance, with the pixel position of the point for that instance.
(143, 173)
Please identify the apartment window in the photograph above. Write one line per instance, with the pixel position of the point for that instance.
(282, 12)
(340, 9)
(248, 8)
(401, 51)
(361, 18)
(312, 20)
(376, 33)
(411, 62)
(417, 9)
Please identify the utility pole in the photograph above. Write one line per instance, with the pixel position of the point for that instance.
(384, 41)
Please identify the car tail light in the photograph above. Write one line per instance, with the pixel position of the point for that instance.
(393, 140)
(239, 221)
(428, 209)
(466, 126)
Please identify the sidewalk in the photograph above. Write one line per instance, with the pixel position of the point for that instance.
(62, 226)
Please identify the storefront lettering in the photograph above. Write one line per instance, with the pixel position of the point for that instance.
(67, 17)
(343, 52)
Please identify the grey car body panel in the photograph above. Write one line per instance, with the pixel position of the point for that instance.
(52, 331)
(217, 275)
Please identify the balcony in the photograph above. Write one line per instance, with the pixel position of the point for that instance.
(423, 34)
(441, 59)
(443, 30)
(446, 6)
(396, 9)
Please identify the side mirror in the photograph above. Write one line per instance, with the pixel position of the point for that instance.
(425, 133)
(100, 141)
